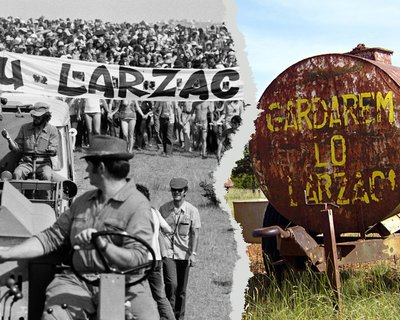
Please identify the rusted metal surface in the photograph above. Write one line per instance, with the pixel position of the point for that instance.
(329, 126)
(304, 241)
(376, 53)
(274, 231)
(369, 251)
(331, 256)
(295, 242)
(351, 251)
(300, 246)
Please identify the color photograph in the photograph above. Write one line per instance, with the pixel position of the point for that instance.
(319, 177)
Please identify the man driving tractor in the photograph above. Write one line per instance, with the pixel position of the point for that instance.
(115, 204)
(36, 138)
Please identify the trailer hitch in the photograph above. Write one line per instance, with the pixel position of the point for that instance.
(273, 231)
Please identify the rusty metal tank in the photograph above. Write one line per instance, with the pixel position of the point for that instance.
(329, 132)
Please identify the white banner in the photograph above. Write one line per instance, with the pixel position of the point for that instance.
(81, 79)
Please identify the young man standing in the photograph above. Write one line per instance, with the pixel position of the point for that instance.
(184, 220)
(156, 278)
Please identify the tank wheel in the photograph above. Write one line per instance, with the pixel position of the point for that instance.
(271, 255)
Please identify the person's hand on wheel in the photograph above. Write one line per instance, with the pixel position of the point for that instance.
(83, 240)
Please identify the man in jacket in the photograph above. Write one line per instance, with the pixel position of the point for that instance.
(115, 204)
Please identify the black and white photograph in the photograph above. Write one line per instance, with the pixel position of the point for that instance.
(115, 119)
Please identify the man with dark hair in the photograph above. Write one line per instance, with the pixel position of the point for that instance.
(115, 204)
(156, 279)
(184, 220)
(38, 136)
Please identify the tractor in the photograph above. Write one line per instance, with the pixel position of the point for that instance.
(29, 206)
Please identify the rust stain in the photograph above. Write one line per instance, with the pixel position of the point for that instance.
(330, 127)
(392, 246)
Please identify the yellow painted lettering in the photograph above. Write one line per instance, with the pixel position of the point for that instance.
(335, 114)
(372, 179)
(342, 183)
(311, 195)
(290, 191)
(340, 141)
(290, 120)
(392, 178)
(348, 108)
(359, 192)
(365, 107)
(318, 162)
(271, 122)
(315, 102)
(303, 113)
(384, 103)
(324, 187)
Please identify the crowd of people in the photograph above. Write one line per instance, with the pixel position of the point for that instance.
(135, 44)
(162, 126)
(189, 126)
(110, 132)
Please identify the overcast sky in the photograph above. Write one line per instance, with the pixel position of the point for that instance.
(117, 10)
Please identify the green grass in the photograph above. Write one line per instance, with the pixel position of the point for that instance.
(242, 194)
(371, 293)
(210, 281)
(368, 292)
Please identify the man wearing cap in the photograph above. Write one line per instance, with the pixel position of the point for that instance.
(38, 136)
(184, 220)
(115, 204)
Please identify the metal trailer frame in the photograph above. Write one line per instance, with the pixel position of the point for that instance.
(334, 251)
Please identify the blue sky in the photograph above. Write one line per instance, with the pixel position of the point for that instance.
(279, 33)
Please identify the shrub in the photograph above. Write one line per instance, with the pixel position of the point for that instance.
(245, 181)
(209, 191)
(242, 175)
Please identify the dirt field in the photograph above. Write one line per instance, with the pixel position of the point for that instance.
(210, 281)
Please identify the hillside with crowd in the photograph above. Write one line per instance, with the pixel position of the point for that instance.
(190, 126)
(135, 44)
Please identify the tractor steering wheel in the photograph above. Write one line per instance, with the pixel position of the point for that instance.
(108, 269)
(37, 154)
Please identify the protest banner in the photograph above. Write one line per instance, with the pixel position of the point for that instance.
(81, 79)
